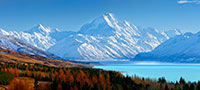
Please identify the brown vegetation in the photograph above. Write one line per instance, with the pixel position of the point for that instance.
(9, 56)
(22, 83)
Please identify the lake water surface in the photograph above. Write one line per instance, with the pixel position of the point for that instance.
(170, 72)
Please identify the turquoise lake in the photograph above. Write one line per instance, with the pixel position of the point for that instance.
(170, 72)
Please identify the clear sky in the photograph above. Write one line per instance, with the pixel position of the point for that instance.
(72, 14)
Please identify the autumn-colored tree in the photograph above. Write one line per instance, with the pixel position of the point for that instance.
(143, 82)
(16, 72)
(81, 77)
(21, 84)
(2, 69)
(69, 77)
(75, 87)
(61, 75)
(52, 76)
(41, 75)
(11, 70)
(28, 73)
(31, 66)
(108, 81)
(44, 86)
(5, 70)
(137, 79)
(102, 81)
(94, 79)
(52, 70)
(59, 87)
(89, 81)
(35, 74)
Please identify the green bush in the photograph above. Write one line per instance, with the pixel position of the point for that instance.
(5, 78)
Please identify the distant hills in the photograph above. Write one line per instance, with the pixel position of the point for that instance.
(105, 38)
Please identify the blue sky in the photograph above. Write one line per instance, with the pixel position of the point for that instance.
(72, 14)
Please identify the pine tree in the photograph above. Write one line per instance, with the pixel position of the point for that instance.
(36, 84)
(166, 87)
(182, 81)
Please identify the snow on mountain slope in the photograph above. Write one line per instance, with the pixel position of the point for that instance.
(38, 36)
(12, 43)
(172, 33)
(182, 48)
(106, 38)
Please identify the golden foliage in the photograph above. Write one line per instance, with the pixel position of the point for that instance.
(21, 84)
(14, 57)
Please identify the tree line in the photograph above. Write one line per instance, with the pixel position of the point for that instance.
(63, 78)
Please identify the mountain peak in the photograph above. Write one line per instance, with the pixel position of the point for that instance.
(39, 28)
(56, 30)
(107, 18)
(104, 24)
(42, 27)
(173, 32)
(2, 31)
(177, 31)
(109, 15)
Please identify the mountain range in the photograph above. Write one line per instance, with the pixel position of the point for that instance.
(12, 43)
(104, 38)
(182, 48)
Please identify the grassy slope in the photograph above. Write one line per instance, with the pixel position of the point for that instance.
(15, 57)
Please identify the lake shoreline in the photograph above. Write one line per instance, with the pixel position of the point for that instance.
(172, 72)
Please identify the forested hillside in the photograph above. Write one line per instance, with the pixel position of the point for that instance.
(40, 77)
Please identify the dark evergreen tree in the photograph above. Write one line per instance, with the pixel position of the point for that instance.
(166, 87)
(162, 80)
(182, 81)
(186, 87)
(192, 87)
(36, 84)
(198, 86)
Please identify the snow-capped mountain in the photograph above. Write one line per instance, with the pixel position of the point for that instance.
(174, 32)
(11, 43)
(38, 36)
(182, 48)
(106, 38)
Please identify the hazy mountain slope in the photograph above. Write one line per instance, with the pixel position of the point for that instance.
(106, 38)
(9, 56)
(183, 48)
(12, 43)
